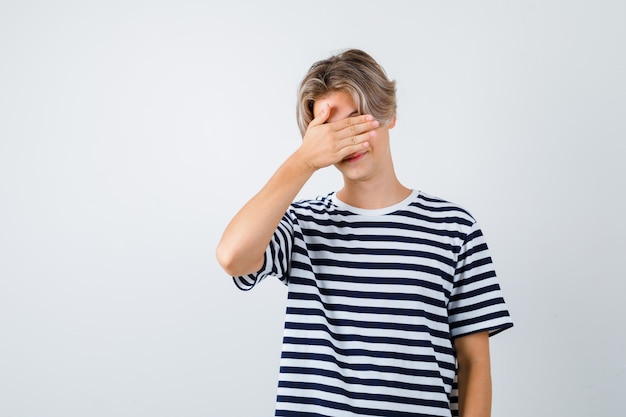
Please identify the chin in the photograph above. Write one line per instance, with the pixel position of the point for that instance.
(352, 176)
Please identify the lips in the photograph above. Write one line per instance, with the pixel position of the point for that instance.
(354, 157)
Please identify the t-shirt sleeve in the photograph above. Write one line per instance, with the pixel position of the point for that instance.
(277, 258)
(476, 302)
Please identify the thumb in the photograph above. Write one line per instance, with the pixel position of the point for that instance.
(321, 117)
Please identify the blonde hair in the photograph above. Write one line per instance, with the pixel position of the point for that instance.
(355, 73)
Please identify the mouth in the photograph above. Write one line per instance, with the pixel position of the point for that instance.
(353, 157)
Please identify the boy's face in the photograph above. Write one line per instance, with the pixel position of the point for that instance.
(371, 163)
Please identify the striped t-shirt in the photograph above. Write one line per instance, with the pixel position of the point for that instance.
(375, 299)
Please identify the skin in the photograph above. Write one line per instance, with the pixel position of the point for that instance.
(474, 375)
(358, 146)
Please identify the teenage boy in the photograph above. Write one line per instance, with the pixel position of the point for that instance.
(392, 295)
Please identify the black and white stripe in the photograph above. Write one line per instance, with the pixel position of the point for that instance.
(375, 299)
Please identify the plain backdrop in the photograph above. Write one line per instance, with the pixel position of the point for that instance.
(132, 131)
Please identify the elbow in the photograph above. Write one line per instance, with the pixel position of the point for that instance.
(234, 263)
(226, 259)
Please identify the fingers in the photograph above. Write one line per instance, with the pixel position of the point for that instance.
(353, 133)
(357, 142)
(353, 128)
(348, 122)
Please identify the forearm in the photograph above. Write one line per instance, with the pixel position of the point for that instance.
(474, 389)
(474, 375)
(245, 239)
(243, 243)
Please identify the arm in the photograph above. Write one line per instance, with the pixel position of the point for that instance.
(474, 375)
(243, 244)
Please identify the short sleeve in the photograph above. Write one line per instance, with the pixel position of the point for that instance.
(476, 303)
(277, 257)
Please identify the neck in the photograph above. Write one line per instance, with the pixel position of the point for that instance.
(373, 193)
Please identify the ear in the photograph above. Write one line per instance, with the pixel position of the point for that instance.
(392, 123)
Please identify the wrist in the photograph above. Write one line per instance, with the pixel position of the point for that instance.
(300, 163)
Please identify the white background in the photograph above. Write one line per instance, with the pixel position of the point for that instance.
(131, 132)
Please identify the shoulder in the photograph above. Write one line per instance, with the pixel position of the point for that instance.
(318, 204)
(441, 208)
